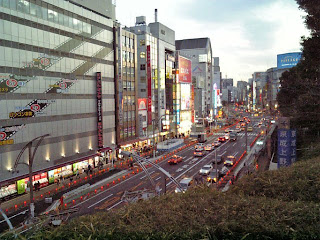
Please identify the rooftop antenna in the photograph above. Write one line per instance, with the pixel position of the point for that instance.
(156, 15)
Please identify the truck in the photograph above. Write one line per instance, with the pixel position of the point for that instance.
(202, 137)
(233, 136)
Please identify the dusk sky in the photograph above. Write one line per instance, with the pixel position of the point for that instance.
(247, 35)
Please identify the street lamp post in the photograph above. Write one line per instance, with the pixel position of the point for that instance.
(31, 156)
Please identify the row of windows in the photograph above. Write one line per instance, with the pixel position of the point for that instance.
(46, 14)
(129, 116)
(127, 42)
(128, 85)
(127, 133)
(129, 100)
(127, 56)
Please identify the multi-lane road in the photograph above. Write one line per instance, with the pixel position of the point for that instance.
(189, 167)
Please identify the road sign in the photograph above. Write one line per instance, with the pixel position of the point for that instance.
(284, 123)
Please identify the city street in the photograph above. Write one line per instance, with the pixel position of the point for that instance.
(189, 167)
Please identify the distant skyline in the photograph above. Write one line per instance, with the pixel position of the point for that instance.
(246, 35)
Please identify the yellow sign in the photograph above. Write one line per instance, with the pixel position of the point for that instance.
(4, 89)
(6, 142)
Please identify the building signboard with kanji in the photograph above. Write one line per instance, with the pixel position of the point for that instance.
(287, 143)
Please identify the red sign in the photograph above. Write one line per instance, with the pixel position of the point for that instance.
(142, 104)
(3, 135)
(12, 83)
(149, 86)
(99, 110)
(184, 70)
(35, 107)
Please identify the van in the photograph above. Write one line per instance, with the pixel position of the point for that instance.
(185, 183)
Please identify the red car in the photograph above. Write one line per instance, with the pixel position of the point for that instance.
(175, 159)
(221, 139)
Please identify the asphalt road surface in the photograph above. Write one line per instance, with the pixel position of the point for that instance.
(189, 167)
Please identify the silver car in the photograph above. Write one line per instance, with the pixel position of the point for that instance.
(205, 170)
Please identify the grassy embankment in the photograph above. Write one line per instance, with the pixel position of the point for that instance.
(280, 204)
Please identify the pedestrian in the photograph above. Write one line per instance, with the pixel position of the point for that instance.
(89, 169)
(71, 179)
(57, 181)
(77, 174)
(61, 178)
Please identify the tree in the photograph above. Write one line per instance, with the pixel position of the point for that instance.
(299, 96)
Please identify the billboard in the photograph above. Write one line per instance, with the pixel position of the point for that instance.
(287, 142)
(185, 97)
(142, 104)
(288, 60)
(149, 85)
(184, 70)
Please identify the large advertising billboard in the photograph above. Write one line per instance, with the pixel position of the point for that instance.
(287, 142)
(185, 97)
(192, 104)
(288, 60)
(184, 70)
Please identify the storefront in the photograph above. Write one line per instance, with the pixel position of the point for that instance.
(185, 122)
(8, 190)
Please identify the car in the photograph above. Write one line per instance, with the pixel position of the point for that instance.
(205, 170)
(199, 152)
(227, 136)
(243, 124)
(224, 171)
(213, 176)
(216, 143)
(238, 130)
(208, 147)
(199, 145)
(221, 139)
(219, 159)
(175, 159)
(185, 184)
(230, 160)
(249, 129)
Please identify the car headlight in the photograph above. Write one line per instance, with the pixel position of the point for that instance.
(208, 178)
(215, 179)
(176, 191)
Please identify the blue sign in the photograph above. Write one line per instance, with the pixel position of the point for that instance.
(287, 143)
(288, 60)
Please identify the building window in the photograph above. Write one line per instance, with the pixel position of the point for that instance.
(142, 67)
(203, 58)
(142, 55)
(142, 42)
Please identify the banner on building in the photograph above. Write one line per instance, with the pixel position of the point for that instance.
(99, 110)
(192, 104)
(184, 70)
(149, 78)
(142, 104)
(287, 142)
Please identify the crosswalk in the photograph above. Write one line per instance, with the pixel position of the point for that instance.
(239, 134)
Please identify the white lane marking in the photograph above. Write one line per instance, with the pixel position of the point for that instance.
(236, 153)
(185, 166)
(223, 153)
(234, 144)
(146, 175)
(179, 170)
(158, 178)
(100, 200)
(200, 161)
(114, 205)
(189, 158)
(184, 157)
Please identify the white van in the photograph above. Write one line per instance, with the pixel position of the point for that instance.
(185, 183)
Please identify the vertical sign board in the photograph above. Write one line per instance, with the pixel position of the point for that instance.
(99, 110)
(120, 84)
(192, 104)
(287, 142)
(149, 86)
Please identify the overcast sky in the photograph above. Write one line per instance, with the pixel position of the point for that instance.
(247, 35)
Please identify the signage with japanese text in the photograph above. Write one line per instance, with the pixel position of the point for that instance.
(99, 110)
(287, 142)
(192, 104)
(149, 85)
(184, 70)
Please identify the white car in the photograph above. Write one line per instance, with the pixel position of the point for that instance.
(208, 147)
(185, 183)
(217, 143)
(199, 145)
(205, 170)
(227, 137)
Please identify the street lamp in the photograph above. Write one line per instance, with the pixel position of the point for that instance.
(31, 158)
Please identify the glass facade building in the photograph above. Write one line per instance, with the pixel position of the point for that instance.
(50, 54)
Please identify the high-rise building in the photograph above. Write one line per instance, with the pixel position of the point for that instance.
(242, 92)
(156, 79)
(199, 51)
(57, 78)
